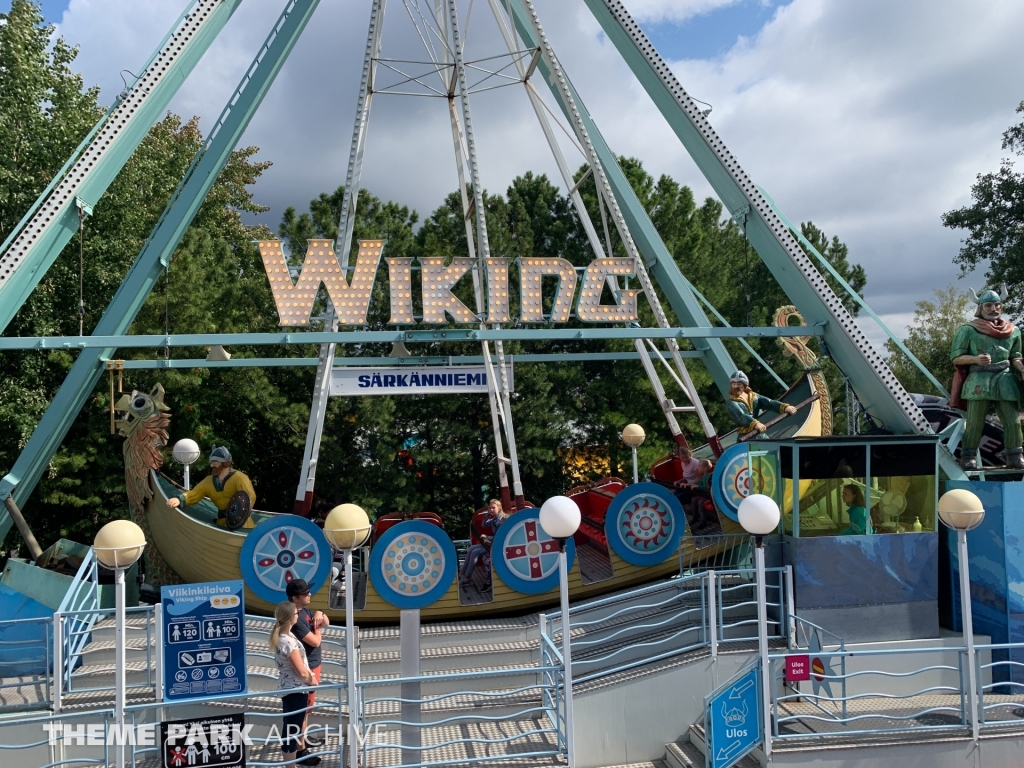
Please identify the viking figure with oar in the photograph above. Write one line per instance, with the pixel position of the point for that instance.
(984, 353)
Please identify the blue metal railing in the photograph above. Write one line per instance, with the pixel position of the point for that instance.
(332, 641)
(79, 627)
(319, 739)
(737, 604)
(1002, 698)
(40, 742)
(31, 652)
(81, 602)
(902, 694)
(546, 704)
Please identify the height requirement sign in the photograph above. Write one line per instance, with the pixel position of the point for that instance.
(203, 639)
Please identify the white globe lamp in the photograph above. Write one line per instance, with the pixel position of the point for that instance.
(347, 526)
(961, 510)
(560, 517)
(633, 436)
(186, 453)
(119, 544)
(759, 514)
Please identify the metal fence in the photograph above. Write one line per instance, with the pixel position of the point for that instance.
(33, 657)
(91, 660)
(853, 693)
(436, 720)
(693, 611)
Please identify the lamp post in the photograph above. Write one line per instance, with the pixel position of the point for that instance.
(633, 436)
(961, 510)
(759, 515)
(118, 545)
(347, 527)
(186, 452)
(560, 518)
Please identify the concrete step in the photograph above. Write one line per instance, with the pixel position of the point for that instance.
(695, 744)
(470, 746)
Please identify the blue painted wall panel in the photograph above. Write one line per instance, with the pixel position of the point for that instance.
(996, 553)
(845, 571)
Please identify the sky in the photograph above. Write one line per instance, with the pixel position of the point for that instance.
(869, 118)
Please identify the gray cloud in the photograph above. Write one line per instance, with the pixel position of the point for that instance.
(871, 119)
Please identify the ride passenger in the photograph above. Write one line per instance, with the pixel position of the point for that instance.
(744, 405)
(307, 631)
(482, 551)
(692, 489)
(293, 672)
(853, 498)
(221, 486)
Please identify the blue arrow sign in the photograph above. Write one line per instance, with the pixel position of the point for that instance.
(735, 725)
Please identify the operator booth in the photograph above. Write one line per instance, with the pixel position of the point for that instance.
(859, 528)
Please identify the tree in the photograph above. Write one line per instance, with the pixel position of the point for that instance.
(995, 224)
(837, 254)
(929, 338)
(215, 283)
(44, 108)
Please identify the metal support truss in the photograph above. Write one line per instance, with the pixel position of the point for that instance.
(51, 222)
(148, 266)
(570, 104)
(882, 395)
(342, 248)
(440, 335)
(658, 259)
(355, 362)
(501, 398)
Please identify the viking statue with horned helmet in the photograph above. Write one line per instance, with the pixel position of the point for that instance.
(985, 351)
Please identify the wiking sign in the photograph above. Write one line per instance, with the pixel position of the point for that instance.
(351, 288)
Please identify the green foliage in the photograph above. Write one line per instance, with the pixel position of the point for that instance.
(929, 339)
(995, 224)
(44, 109)
(425, 452)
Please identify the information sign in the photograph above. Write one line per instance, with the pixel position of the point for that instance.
(212, 742)
(798, 668)
(735, 725)
(204, 639)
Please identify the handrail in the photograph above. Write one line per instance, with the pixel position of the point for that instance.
(822, 630)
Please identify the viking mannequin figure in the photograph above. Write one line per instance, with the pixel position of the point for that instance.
(744, 405)
(987, 356)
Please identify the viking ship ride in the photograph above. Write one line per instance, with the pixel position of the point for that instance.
(189, 541)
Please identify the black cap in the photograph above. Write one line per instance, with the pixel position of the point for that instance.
(297, 587)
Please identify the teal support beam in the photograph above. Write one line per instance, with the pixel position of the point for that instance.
(35, 244)
(350, 362)
(876, 386)
(660, 264)
(390, 337)
(825, 265)
(146, 270)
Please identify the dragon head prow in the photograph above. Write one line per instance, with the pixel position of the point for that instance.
(130, 410)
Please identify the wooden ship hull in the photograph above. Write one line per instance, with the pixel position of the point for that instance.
(198, 550)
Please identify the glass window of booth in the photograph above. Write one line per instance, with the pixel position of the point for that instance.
(858, 487)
